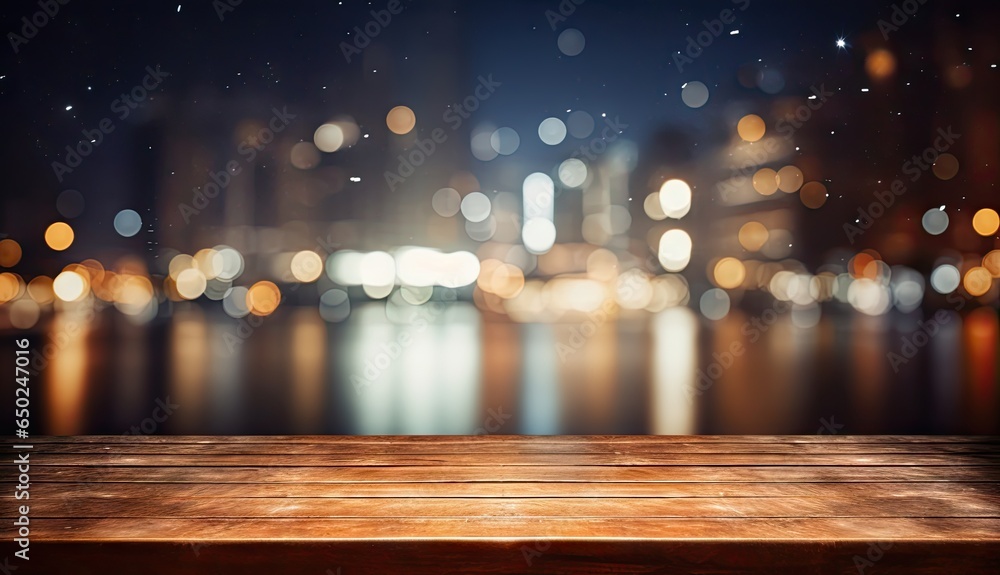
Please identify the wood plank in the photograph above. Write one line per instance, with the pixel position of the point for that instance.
(732, 529)
(278, 459)
(424, 448)
(42, 491)
(603, 507)
(566, 474)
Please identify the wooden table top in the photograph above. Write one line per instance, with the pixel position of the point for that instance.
(539, 500)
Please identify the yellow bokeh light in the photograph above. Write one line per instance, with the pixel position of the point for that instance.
(69, 286)
(813, 195)
(991, 262)
(978, 281)
(986, 222)
(789, 179)
(10, 287)
(880, 64)
(751, 127)
(753, 236)
(40, 289)
(263, 298)
(945, 167)
(59, 236)
(179, 263)
(400, 120)
(729, 273)
(191, 283)
(10, 253)
(307, 266)
(210, 262)
(765, 181)
(507, 281)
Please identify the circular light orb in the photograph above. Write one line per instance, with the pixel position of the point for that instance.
(880, 64)
(328, 138)
(714, 304)
(789, 179)
(694, 94)
(729, 273)
(191, 283)
(765, 181)
(651, 205)
(753, 236)
(945, 279)
(986, 222)
(235, 302)
(400, 120)
(505, 141)
(675, 250)
(446, 202)
(675, 198)
(945, 167)
(305, 155)
(991, 262)
(538, 235)
(573, 173)
(751, 128)
(978, 281)
(263, 298)
(552, 131)
(10, 253)
(935, 221)
(59, 236)
(476, 207)
(69, 286)
(128, 223)
(40, 289)
(813, 195)
(306, 266)
(571, 42)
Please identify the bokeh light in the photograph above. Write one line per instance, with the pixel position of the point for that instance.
(328, 138)
(538, 235)
(571, 42)
(476, 207)
(70, 203)
(813, 195)
(191, 283)
(306, 266)
(675, 198)
(446, 202)
(986, 222)
(694, 94)
(552, 131)
(751, 128)
(580, 124)
(675, 250)
(572, 173)
(59, 236)
(945, 279)
(880, 64)
(753, 235)
(789, 179)
(714, 304)
(69, 286)
(765, 181)
(978, 281)
(128, 223)
(729, 273)
(400, 120)
(935, 221)
(263, 298)
(945, 167)
(10, 253)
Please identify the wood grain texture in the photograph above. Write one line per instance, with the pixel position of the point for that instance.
(510, 504)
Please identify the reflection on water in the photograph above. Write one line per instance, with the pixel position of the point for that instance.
(446, 369)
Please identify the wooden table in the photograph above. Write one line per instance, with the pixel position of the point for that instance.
(508, 504)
